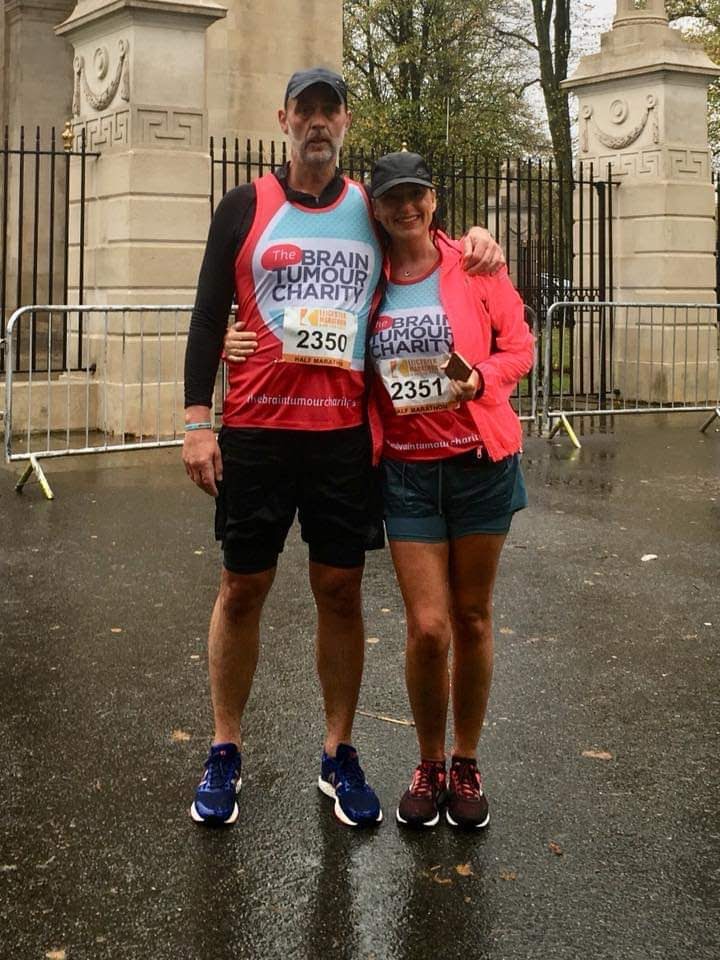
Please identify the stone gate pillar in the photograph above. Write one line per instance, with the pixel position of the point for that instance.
(139, 99)
(643, 111)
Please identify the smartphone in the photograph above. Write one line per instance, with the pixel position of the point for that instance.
(458, 368)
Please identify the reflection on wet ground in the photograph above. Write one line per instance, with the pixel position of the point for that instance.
(599, 752)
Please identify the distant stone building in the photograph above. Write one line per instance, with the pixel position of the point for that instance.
(249, 55)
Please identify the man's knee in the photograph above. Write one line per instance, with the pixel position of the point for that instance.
(242, 594)
(337, 590)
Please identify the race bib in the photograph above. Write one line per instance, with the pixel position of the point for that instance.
(416, 384)
(319, 335)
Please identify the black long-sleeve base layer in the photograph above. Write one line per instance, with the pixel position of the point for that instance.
(229, 229)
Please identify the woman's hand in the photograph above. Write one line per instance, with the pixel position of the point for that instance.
(239, 344)
(464, 390)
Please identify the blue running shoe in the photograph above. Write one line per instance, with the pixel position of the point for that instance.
(215, 801)
(341, 778)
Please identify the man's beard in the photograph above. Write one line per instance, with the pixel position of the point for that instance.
(316, 154)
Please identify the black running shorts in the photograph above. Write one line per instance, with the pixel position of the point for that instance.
(324, 475)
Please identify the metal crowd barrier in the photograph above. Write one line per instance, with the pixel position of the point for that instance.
(611, 358)
(123, 391)
(525, 397)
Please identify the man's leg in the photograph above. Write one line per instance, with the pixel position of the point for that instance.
(233, 645)
(340, 647)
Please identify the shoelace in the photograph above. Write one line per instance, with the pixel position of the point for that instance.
(351, 773)
(465, 779)
(422, 781)
(220, 771)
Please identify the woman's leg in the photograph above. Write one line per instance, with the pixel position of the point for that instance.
(473, 568)
(422, 572)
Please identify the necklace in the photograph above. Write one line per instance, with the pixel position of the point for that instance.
(419, 268)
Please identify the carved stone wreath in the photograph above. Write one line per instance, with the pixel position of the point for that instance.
(121, 80)
(618, 114)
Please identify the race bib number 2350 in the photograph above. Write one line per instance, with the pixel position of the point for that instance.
(319, 335)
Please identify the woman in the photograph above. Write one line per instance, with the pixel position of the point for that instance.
(451, 474)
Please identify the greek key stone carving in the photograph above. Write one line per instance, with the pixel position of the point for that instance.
(689, 164)
(176, 128)
(121, 80)
(618, 113)
(110, 130)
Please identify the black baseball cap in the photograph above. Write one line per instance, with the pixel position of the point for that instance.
(396, 168)
(306, 78)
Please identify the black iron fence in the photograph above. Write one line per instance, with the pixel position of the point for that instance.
(557, 236)
(42, 244)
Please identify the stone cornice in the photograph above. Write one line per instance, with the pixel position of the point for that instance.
(42, 10)
(86, 12)
(632, 49)
(651, 70)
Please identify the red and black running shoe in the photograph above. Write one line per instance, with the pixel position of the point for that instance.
(420, 804)
(467, 805)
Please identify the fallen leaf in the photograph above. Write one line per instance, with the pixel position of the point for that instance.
(373, 639)
(597, 754)
(464, 869)
(179, 736)
(56, 954)
(555, 848)
(507, 632)
(508, 875)
(648, 556)
(115, 629)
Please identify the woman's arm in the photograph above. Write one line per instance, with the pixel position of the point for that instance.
(513, 350)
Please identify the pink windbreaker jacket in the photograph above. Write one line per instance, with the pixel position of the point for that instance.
(487, 319)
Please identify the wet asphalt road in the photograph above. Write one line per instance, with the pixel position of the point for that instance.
(104, 599)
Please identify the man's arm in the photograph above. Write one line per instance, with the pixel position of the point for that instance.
(213, 300)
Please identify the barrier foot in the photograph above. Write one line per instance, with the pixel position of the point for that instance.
(562, 421)
(34, 467)
(715, 416)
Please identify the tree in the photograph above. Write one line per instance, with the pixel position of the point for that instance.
(548, 37)
(432, 73)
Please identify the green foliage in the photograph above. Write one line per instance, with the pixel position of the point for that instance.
(430, 71)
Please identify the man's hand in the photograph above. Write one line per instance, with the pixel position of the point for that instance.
(481, 253)
(201, 454)
(239, 344)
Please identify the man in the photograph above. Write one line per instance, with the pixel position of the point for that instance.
(298, 249)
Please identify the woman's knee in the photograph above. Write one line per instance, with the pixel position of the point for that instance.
(472, 624)
(428, 637)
